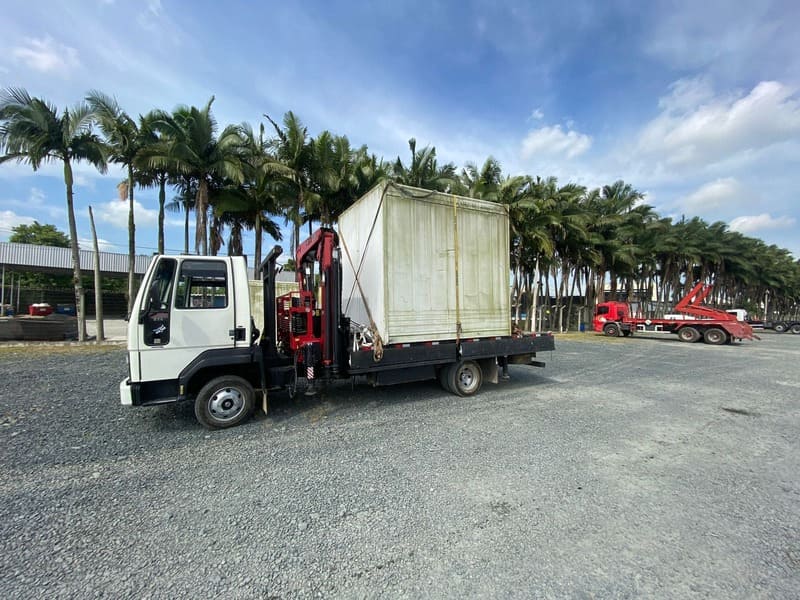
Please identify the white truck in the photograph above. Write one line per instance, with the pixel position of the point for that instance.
(191, 335)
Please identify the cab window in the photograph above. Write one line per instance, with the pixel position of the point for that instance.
(202, 285)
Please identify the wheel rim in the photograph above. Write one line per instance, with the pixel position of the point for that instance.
(466, 379)
(226, 404)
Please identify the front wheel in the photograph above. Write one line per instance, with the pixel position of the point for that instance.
(465, 378)
(715, 336)
(611, 329)
(224, 402)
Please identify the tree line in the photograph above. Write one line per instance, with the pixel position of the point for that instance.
(568, 242)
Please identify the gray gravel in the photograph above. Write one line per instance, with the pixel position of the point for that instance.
(626, 468)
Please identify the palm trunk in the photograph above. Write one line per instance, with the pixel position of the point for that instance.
(162, 198)
(131, 240)
(186, 228)
(75, 250)
(201, 209)
(257, 265)
(98, 286)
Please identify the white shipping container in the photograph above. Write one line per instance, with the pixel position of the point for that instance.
(401, 243)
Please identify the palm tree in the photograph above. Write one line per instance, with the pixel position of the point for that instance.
(32, 131)
(192, 148)
(125, 139)
(156, 144)
(294, 153)
(183, 202)
(424, 171)
(265, 184)
(340, 174)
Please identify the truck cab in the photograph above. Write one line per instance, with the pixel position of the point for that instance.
(609, 313)
(189, 312)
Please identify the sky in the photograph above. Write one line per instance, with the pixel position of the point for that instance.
(695, 104)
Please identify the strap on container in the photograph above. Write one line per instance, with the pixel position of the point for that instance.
(455, 255)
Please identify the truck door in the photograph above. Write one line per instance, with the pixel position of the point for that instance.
(188, 309)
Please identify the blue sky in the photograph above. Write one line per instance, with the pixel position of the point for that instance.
(695, 104)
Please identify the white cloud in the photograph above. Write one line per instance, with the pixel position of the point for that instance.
(696, 129)
(721, 193)
(36, 202)
(751, 223)
(102, 245)
(115, 212)
(537, 114)
(47, 56)
(9, 220)
(553, 141)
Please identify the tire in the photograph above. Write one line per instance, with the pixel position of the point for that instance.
(688, 334)
(611, 330)
(779, 327)
(445, 373)
(795, 328)
(224, 402)
(465, 378)
(715, 336)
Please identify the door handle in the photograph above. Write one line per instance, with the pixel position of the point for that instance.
(238, 335)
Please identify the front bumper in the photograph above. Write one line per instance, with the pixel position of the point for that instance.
(125, 392)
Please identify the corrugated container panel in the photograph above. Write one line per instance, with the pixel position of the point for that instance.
(401, 241)
(256, 289)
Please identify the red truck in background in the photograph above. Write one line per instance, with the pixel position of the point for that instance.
(698, 321)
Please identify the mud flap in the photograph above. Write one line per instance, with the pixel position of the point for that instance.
(489, 369)
(264, 404)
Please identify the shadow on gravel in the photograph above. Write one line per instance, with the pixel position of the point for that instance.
(345, 399)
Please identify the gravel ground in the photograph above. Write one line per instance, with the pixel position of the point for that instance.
(626, 468)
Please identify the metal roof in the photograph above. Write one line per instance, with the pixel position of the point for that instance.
(49, 258)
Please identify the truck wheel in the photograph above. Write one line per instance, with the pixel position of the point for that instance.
(466, 378)
(779, 327)
(445, 373)
(688, 334)
(715, 336)
(795, 328)
(611, 329)
(224, 402)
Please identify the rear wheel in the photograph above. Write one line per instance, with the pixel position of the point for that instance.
(715, 336)
(688, 334)
(224, 402)
(611, 329)
(795, 328)
(445, 374)
(780, 327)
(465, 378)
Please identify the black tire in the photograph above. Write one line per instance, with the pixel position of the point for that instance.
(445, 373)
(224, 402)
(795, 329)
(465, 378)
(715, 336)
(611, 330)
(688, 334)
(779, 327)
